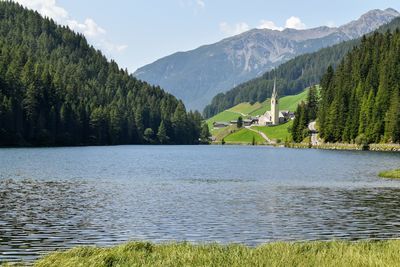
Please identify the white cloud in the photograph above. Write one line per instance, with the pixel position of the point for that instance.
(295, 23)
(201, 3)
(233, 29)
(89, 28)
(196, 5)
(96, 34)
(267, 24)
(47, 8)
(291, 23)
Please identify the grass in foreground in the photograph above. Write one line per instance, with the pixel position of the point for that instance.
(333, 253)
(395, 174)
(244, 136)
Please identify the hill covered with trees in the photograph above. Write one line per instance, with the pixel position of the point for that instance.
(56, 89)
(292, 77)
(360, 101)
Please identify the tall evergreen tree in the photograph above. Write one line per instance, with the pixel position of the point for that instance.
(162, 134)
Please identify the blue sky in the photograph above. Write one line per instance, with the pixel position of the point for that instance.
(138, 32)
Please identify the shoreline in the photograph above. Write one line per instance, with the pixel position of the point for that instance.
(302, 253)
(324, 146)
(349, 147)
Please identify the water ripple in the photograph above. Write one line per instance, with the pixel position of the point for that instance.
(105, 196)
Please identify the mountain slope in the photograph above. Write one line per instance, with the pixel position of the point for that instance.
(55, 89)
(198, 75)
(293, 76)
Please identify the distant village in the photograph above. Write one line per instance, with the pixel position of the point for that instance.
(270, 118)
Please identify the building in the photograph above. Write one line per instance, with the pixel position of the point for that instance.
(275, 116)
(219, 125)
(246, 122)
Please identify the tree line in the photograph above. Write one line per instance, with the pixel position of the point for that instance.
(56, 89)
(360, 100)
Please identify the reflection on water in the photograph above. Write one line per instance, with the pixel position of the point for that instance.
(57, 198)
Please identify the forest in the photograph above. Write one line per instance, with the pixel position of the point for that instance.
(360, 100)
(292, 77)
(56, 89)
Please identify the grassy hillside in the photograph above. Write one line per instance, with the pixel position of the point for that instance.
(280, 132)
(225, 116)
(332, 253)
(286, 103)
(244, 136)
(219, 134)
(247, 109)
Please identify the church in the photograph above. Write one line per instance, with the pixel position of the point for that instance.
(275, 116)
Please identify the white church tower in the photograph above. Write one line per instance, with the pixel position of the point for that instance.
(275, 106)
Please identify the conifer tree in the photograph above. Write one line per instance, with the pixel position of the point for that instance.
(162, 133)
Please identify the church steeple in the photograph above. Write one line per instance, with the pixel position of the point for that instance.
(274, 93)
(275, 106)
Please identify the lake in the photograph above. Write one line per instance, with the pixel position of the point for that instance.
(55, 198)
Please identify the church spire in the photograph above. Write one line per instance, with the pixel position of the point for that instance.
(274, 106)
(274, 93)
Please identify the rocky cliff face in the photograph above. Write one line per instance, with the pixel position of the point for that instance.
(198, 75)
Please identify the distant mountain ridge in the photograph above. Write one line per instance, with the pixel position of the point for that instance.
(198, 75)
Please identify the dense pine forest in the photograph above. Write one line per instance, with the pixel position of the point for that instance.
(55, 89)
(360, 101)
(292, 76)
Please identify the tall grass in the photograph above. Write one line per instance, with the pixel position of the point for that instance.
(395, 174)
(333, 253)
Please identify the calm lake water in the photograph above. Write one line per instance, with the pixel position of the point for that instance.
(52, 198)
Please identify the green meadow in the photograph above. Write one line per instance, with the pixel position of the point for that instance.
(286, 103)
(280, 132)
(231, 135)
(244, 136)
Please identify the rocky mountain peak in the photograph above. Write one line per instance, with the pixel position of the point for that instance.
(197, 76)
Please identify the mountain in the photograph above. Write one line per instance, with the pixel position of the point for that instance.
(55, 89)
(198, 75)
(292, 76)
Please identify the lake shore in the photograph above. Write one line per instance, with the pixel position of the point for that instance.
(314, 253)
(343, 146)
(325, 146)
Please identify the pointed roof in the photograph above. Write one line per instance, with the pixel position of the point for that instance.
(274, 92)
